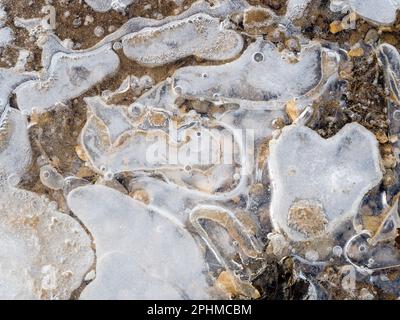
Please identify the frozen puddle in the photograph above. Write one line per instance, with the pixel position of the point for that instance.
(379, 12)
(45, 254)
(199, 35)
(317, 183)
(68, 76)
(135, 249)
(199, 150)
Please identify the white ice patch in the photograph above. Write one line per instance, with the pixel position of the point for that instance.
(106, 5)
(6, 37)
(382, 12)
(317, 180)
(115, 143)
(199, 35)
(44, 253)
(9, 80)
(139, 250)
(261, 75)
(218, 9)
(15, 154)
(69, 75)
(296, 8)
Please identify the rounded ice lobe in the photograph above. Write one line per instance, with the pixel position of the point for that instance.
(330, 178)
(148, 249)
(199, 35)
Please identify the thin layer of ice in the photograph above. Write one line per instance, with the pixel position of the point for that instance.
(218, 9)
(45, 254)
(9, 80)
(317, 183)
(296, 8)
(69, 76)
(199, 35)
(15, 149)
(389, 58)
(259, 76)
(138, 247)
(115, 143)
(106, 5)
(6, 37)
(382, 12)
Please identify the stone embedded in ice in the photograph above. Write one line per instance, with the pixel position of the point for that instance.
(378, 251)
(379, 12)
(200, 35)
(138, 248)
(69, 75)
(259, 76)
(318, 183)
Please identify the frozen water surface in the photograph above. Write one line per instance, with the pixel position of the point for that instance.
(317, 183)
(199, 150)
(379, 12)
(136, 246)
(199, 35)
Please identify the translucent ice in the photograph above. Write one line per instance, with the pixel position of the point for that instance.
(116, 140)
(378, 251)
(218, 9)
(140, 251)
(389, 58)
(200, 35)
(44, 253)
(379, 12)
(317, 183)
(296, 8)
(69, 75)
(6, 37)
(106, 5)
(9, 80)
(260, 76)
(15, 153)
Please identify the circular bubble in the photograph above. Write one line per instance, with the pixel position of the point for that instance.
(337, 251)
(258, 57)
(396, 115)
(178, 90)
